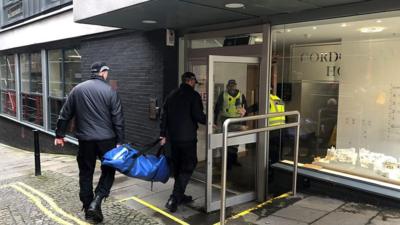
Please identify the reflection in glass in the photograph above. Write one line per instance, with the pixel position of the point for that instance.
(64, 74)
(31, 88)
(7, 85)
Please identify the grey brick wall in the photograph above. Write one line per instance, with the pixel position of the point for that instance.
(142, 68)
(140, 63)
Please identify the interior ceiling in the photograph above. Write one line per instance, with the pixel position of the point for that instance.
(181, 14)
(338, 31)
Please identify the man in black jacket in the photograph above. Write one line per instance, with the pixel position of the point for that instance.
(99, 127)
(182, 111)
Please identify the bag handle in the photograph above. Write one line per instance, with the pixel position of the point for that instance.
(148, 148)
(149, 145)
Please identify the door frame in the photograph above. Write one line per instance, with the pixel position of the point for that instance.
(263, 51)
(214, 140)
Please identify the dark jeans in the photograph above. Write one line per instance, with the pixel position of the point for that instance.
(232, 156)
(88, 152)
(184, 159)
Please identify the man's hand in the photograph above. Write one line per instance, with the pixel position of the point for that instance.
(242, 111)
(163, 141)
(59, 141)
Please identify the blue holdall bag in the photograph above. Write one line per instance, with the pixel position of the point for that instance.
(135, 163)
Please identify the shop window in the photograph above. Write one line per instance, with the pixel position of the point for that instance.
(342, 77)
(7, 86)
(31, 88)
(64, 74)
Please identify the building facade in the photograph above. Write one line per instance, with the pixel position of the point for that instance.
(38, 72)
(334, 62)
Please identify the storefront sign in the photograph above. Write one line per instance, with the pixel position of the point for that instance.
(316, 62)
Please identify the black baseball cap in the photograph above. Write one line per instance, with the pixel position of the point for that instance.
(188, 76)
(98, 67)
(232, 82)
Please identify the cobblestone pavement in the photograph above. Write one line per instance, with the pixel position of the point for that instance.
(52, 199)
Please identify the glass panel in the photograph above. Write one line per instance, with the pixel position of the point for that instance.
(7, 85)
(31, 88)
(235, 88)
(341, 76)
(64, 74)
(72, 68)
(56, 85)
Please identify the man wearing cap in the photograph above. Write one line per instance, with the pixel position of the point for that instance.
(182, 111)
(99, 122)
(230, 104)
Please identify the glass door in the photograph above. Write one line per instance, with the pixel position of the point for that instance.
(233, 87)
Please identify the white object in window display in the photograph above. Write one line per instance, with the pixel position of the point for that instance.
(387, 166)
(368, 158)
(343, 155)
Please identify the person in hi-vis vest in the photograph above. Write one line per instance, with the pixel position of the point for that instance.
(230, 104)
(276, 105)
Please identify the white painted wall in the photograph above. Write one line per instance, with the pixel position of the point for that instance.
(87, 8)
(53, 28)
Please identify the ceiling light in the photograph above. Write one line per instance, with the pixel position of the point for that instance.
(234, 5)
(288, 30)
(258, 39)
(371, 29)
(379, 21)
(343, 25)
(149, 21)
(314, 28)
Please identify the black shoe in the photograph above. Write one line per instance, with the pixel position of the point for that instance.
(186, 199)
(85, 209)
(172, 204)
(94, 211)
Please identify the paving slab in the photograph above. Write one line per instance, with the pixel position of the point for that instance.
(387, 217)
(349, 214)
(300, 214)
(276, 220)
(320, 203)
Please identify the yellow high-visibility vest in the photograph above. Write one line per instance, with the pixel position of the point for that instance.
(276, 105)
(230, 106)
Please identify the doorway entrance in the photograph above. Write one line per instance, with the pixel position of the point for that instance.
(214, 78)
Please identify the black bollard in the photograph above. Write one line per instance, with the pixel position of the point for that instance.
(37, 153)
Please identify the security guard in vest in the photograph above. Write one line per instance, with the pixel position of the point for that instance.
(230, 104)
(276, 105)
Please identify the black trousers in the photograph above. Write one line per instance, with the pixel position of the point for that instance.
(88, 152)
(184, 159)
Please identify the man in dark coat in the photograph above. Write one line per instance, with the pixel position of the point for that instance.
(182, 111)
(99, 122)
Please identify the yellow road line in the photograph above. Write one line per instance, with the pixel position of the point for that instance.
(53, 205)
(39, 204)
(155, 208)
(247, 211)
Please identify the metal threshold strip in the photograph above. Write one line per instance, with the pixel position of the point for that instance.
(353, 181)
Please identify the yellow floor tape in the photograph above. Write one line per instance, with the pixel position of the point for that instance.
(53, 205)
(155, 208)
(247, 211)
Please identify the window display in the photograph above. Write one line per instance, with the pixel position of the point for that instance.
(343, 81)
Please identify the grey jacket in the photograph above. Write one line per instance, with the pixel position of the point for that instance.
(97, 110)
